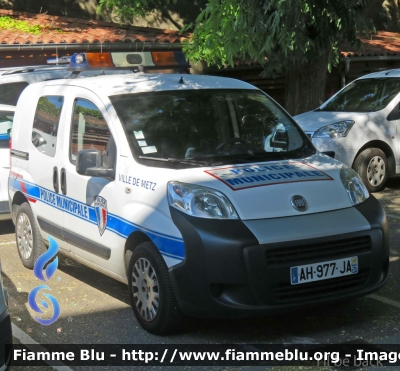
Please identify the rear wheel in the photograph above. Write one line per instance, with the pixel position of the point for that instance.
(372, 165)
(29, 241)
(151, 293)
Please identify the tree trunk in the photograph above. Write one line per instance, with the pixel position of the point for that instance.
(305, 85)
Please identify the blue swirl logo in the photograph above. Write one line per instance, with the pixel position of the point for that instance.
(38, 269)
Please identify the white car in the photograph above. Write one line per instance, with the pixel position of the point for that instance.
(13, 81)
(360, 126)
(200, 193)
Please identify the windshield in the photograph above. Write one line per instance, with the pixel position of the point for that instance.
(209, 126)
(366, 95)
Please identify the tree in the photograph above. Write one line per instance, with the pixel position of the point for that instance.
(296, 37)
(187, 11)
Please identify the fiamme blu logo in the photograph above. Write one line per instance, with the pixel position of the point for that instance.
(46, 259)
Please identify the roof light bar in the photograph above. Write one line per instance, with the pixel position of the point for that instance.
(61, 60)
(164, 58)
(130, 60)
(99, 60)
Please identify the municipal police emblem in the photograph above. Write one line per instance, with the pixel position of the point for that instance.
(100, 206)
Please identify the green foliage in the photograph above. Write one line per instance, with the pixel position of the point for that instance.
(9, 23)
(128, 9)
(275, 33)
(50, 108)
(89, 112)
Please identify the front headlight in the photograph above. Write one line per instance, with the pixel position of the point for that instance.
(354, 186)
(336, 130)
(199, 201)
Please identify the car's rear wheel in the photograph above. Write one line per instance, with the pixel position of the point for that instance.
(151, 292)
(29, 241)
(372, 165)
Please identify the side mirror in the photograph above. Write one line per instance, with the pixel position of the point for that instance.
(89, 162)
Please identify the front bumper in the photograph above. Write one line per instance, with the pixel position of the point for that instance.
(228, 272)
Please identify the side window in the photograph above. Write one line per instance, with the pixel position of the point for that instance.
(9, 93)
(45, 124)
(6, 120)
(89, 130)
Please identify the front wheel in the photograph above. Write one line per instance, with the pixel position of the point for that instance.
(372, 166)
(151, 292)
(29, 241)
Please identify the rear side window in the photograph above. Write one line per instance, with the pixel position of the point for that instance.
(88, 129)
(45, 124)
(6, 120)
(9, 93)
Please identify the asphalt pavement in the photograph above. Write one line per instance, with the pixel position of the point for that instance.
(95, 309)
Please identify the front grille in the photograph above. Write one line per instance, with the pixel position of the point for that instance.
(321, 251)
(285, 292)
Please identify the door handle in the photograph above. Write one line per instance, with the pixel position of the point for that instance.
(63, 181)
(55, 179)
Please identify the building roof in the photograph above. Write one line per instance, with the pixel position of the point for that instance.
(67, 30)
(382, 43)
(58, 31)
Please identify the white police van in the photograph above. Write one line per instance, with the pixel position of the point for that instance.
(359, 126)
(13, 80)
(201, 193)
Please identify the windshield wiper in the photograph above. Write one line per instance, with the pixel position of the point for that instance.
(177, 160)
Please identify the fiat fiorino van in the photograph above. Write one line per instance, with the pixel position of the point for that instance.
(201, 193)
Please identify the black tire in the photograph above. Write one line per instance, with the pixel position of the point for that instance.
(372, 166)
(29, 241)
(151, 292)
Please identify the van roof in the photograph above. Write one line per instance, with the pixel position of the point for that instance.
(141, 82)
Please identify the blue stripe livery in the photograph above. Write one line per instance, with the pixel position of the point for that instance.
(168, 245)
